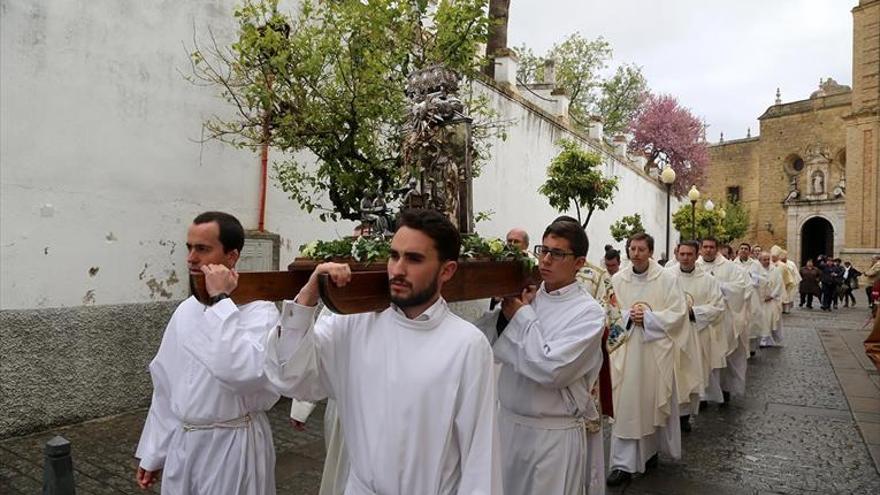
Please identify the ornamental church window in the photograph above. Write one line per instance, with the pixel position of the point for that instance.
(733, 194)
(794, 164)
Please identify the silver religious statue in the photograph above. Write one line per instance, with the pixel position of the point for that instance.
(436, 151)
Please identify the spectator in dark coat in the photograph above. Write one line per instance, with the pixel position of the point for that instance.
(829, 283)
(809, 286)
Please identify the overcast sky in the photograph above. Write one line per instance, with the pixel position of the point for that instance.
(722, 59)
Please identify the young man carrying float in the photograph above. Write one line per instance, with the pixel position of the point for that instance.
(414, 384)
(206, 431)
(551, 355)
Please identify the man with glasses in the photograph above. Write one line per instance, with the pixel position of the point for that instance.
(642, 369)
(550, 352)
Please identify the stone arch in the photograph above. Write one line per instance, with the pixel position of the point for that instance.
(794, 164)
(817, 237)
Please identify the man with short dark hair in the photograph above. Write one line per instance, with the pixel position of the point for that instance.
(706, 345)
(206, 430)
(736, 288)
(612, 261)
(646, 413)
(551, 355)
(757, 278)
(414, 384)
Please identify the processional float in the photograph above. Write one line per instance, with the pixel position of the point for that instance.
(437, 150)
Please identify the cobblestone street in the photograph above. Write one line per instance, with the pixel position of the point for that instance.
(810, 424)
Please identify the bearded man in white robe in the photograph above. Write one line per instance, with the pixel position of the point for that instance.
(705, 310)
(757, 277)
(206, 431)
(551, 355)
(728, 377)
(643, 368)
(772, 293)
(414, 384)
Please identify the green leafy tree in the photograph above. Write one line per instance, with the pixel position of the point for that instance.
(735, 222)
(626, 227)
(574, 179)
(579, 65)
(622, 96)
(727, 226)
(329, 80)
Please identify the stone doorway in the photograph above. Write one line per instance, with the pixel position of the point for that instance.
(817, 237)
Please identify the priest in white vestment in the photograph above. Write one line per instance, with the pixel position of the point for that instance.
(757, 277)
(414, 384)
(550, 354)
(736, 289)
(705, 310)
(772, 294)
(643, 368)
(796, 275)
(206, 431)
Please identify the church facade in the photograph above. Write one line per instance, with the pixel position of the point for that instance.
(811, 181)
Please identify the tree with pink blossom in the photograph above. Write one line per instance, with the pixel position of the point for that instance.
(668, 134)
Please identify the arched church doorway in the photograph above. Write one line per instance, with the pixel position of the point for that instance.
(817, 237)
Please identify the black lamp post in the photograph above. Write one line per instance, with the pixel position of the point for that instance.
(667, 177)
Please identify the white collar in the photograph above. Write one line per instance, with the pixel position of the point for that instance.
(432, 313)
(568, 289)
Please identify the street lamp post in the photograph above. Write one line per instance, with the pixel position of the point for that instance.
(709, 207)
(694, 196)
(667, 177)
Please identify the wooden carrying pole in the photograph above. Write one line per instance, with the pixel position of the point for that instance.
(368, 289)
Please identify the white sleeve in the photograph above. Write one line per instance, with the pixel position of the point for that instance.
(292, 354)
(161, 421)
(671, 320)
(231, 344)
(711, 312)
(553, 362)
(654, 328)
(475, 425)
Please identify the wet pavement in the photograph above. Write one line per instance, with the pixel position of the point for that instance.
(809, 424)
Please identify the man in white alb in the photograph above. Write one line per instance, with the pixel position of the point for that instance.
(736, 288)
(772, 292)
(757, 277)
(551, 355)
(206, 431)
(646, 413)
(414, 384)
(705, 310)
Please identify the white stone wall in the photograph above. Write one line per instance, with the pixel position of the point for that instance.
(101, 169)
(509, 183)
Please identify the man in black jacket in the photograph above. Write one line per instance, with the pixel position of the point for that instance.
(829, 283)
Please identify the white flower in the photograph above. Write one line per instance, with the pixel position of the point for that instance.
(308, 250)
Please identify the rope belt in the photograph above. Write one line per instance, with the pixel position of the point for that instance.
(545, 423)
(242, 422)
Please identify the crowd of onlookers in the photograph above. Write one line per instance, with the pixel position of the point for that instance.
(833, 281)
